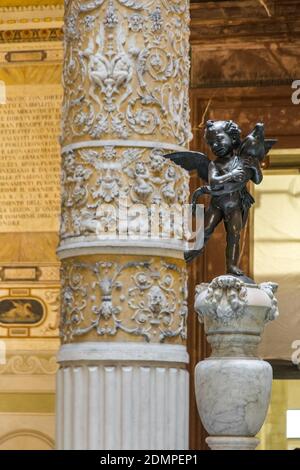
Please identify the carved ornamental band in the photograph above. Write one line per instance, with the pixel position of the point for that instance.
(142, 299)
(95, 182)
(126, 70)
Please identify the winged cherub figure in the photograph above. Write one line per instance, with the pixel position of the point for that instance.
(237, 162)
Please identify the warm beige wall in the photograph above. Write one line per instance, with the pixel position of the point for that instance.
(276, 256)
(23, 3)
(285, 395)
(27, 431)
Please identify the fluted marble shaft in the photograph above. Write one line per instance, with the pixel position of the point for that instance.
(126, 76)
(113, 400)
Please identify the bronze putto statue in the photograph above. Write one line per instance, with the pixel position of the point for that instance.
(237, 162)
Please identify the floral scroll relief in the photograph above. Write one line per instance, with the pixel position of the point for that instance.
(226, 299)
(126, 70)
(94, 180)
(144, 299)
(270, 288)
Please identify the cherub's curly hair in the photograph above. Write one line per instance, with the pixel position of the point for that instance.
(230, 127)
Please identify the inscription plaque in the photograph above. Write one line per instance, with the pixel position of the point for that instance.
(30, 159)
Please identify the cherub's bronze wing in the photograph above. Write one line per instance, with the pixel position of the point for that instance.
(191, 161)
(269, 144)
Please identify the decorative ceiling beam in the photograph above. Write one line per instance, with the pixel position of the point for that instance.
(212, 23)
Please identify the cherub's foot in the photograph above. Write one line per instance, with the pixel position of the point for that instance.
(235, 270)
(190, 255)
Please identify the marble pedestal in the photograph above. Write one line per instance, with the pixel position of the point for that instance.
(122, 396)
(233, 385)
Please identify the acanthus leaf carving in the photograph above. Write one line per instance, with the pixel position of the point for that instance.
(226, 299)
(270, 289)
(133, 4)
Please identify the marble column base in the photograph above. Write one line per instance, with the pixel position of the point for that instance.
(232, 443)
(122, 396)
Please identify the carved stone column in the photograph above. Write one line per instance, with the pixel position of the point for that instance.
(122, 381)
(233, 385)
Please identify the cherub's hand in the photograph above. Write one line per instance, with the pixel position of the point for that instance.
(249, 161)
(238, 174)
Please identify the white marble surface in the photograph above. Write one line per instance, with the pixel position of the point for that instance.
(122, 396)
(233, 395)
(232, 443)
(78, 246)
(233, 386)
(235, 314)
(106, 351)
